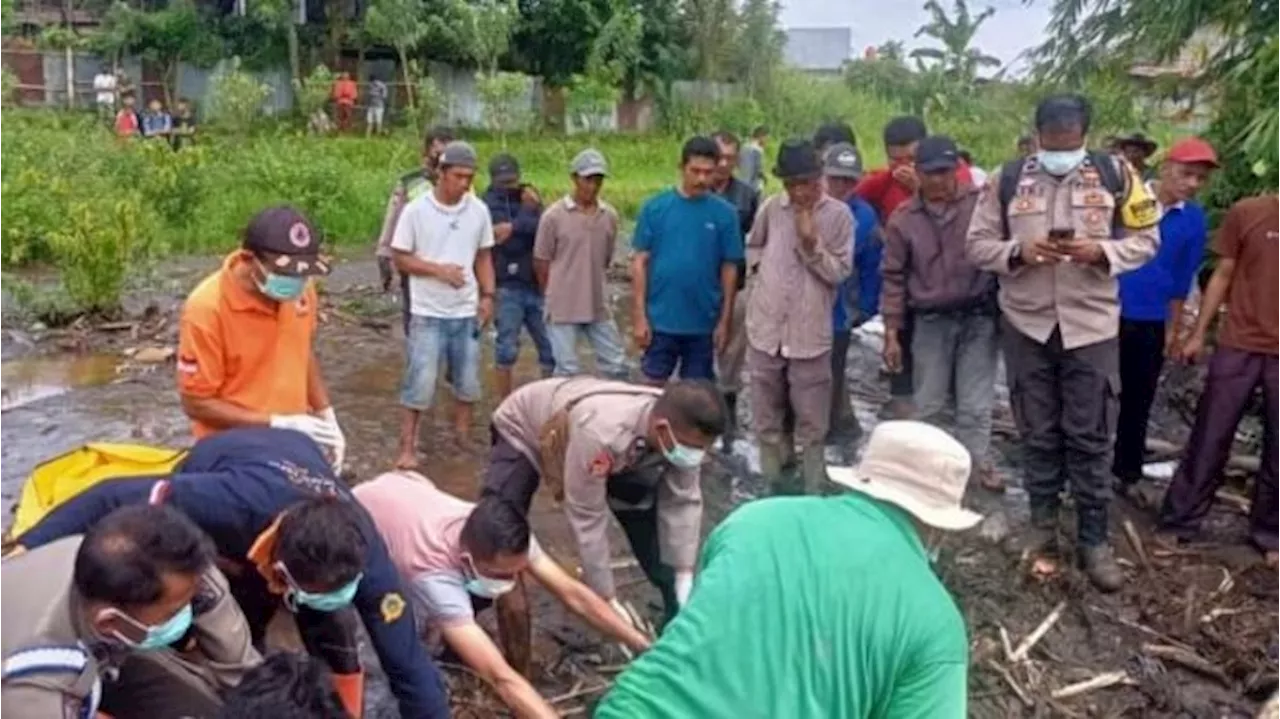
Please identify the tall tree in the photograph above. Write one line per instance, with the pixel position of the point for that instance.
(402, 25)
(757, 50)
(663, 41)
(711, 26)
(957, 58)
(554, 37)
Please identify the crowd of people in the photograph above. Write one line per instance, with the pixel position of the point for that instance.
(116, 101)
(1065, 261)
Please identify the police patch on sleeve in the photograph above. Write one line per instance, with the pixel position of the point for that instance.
(392, 607)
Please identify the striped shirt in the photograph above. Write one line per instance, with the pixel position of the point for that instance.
(789, 313)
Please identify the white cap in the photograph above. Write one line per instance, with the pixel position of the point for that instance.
(917, 467)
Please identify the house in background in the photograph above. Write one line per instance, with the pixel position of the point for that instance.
(1176, 89)
(818, 50)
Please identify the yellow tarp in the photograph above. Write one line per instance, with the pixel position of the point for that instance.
(61, 478)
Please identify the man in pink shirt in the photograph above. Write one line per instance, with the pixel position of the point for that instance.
(456, 558)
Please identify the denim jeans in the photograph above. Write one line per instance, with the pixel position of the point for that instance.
(957, 355)
(433, 341)
(611, 356)
(693, 354)
(517, 307)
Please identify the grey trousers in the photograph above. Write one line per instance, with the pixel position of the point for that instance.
(1065, 403)
(957, 354)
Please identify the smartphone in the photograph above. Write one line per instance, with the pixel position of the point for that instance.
(1062, 234)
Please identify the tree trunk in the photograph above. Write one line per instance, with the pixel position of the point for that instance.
(408, 80)
(291, 39)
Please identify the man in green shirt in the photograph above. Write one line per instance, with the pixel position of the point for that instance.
(820, 607)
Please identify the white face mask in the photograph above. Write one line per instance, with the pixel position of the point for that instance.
(1061, 162)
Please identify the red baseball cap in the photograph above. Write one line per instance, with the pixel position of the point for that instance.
(1193, 150)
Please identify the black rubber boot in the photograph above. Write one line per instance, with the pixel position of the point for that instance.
(1099, 562)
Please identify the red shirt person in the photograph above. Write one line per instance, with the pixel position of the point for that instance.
(345, 92)
(889, 187)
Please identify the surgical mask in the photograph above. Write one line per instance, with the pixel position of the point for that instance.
(160, 636)
(486, 587)
(1061, 162)
(340, 598)
(281, 288)
(681, 455)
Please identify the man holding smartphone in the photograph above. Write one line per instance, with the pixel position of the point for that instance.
(1059, 227)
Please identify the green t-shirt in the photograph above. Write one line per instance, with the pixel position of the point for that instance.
(806, 608)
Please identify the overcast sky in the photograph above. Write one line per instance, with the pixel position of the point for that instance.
(1014, 28)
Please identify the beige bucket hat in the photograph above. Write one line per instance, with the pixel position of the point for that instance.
(917, 467)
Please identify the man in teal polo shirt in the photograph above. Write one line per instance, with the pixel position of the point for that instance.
(684, 274)
(822, 606)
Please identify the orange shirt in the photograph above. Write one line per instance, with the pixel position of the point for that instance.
(240, 347)
(345, 91)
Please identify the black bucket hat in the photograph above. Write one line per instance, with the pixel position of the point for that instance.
(797, 160)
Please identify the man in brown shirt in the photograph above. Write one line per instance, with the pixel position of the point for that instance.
(632, 450)
(801, 249)
(954, 352)
(1058, 245)
(574, 246)
(1247, 277)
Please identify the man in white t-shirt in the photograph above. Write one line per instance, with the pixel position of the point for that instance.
(443, 243)
(104, 86)
(456, 558)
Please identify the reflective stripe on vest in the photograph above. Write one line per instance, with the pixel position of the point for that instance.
(54, 659)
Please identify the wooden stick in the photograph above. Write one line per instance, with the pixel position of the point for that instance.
(1013, 683)
(1240, 504)
(1102, 681)
(580, 691)
(1148, 630)
(1135, 541)
(1188, 660)
(1006, 643)
(1038, 633)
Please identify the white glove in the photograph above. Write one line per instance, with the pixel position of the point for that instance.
(322, 431)
(684, 585)
(340, 446)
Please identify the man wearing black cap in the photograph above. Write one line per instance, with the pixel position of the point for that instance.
(245, 339)
(952, 303)
(1137, 148)
(515, 209)
(799, 251)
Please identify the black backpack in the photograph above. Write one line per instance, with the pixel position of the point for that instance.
(1112, 179)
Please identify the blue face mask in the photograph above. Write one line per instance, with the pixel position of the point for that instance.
(486, 587)
(680, 455)
(339, 598)
(160, 636)
(282, 288)
(1061, 162)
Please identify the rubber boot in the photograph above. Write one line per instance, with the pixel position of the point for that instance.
(1099, 562)
(814, 470)
(502, 382)
(777, 481)
(731, 419)
(789, 459)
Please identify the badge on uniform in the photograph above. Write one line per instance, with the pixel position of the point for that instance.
(1023, 204)
(392, 607)
(1095, 219)
(601, 464)
(1094, 198)
(1090, 177)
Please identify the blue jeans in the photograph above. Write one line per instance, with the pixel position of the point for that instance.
(433, 341)
(695, 354)
(611, 356)
(520, 306)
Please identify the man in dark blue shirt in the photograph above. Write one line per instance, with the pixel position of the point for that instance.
(685, 271)
(857, 298)
(515, 209)
(286, 529)
(1151, 298)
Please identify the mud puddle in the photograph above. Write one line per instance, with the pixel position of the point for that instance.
(31, 379)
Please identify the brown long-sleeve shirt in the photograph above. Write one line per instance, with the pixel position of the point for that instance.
(924, 265)
(789, 313)
(606, 437)
(1082, 301)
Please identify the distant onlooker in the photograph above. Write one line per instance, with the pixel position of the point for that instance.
(104, 85)
(345, 92)
(285, 686)
(978, 174)
(184, 124)
(377, 106)
(155, 121)
(751, 162)
(1027, 146)
(319, 122)
(127, 117)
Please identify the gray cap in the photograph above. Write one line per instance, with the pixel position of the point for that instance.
(589, 163)
(842, 160)
(458, 154)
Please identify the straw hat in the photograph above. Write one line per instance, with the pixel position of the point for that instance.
(917, 467)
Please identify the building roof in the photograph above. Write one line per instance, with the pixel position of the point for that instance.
(818, 48)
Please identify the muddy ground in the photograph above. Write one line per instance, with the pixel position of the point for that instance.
(1194, 631)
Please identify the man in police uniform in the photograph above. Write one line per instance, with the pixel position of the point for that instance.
(1061, 230)
(132, 618)
(409, 187)
(287, 531)
(604, 445)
